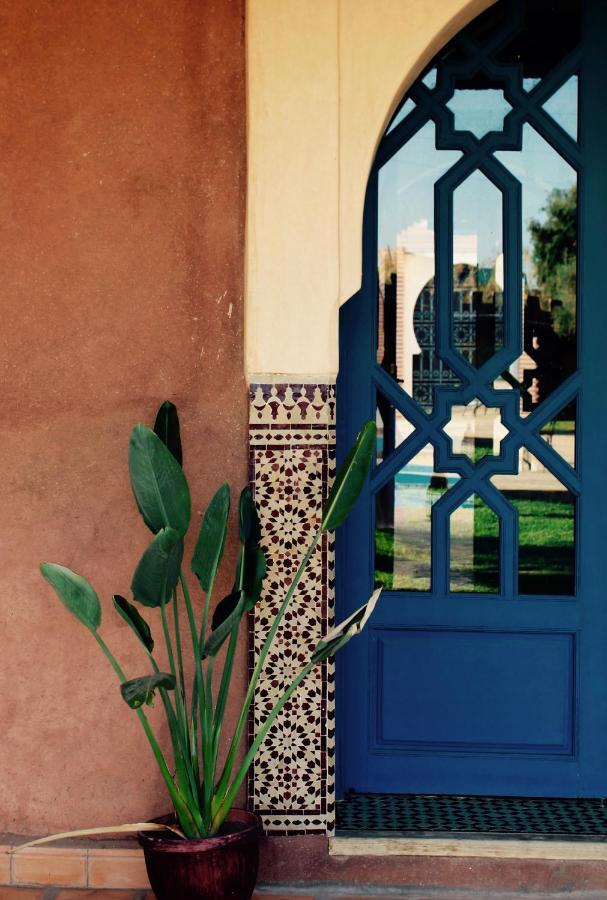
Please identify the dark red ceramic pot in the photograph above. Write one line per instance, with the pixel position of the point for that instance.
(216, 868)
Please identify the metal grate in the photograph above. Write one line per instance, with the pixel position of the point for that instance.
(437, 814)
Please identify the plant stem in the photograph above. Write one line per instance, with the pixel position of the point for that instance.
(180, 751)
(206, 609)
(203, 627)
(205, 736)
(242, 719)
(226, 677)
(186, 818)
(179, 655)
(178, 701)
(227, 801)
(210, 761)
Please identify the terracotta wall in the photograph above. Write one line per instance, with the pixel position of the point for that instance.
(122, 166)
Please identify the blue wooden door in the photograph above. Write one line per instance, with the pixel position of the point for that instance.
(478, 342)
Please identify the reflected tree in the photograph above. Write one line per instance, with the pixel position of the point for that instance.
(554, 251)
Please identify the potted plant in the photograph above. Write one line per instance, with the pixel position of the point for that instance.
(206, 849)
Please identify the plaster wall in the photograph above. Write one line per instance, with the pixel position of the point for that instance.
(324, 77)
(122, 178)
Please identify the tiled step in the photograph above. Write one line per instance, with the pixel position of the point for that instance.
(345, 893)
(434, 870)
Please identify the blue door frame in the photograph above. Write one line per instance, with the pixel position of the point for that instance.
(422, 704)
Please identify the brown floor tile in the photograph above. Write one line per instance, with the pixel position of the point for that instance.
(10, 893)
(120, 869)
(96, 894)
(263, 896)
(5, 866)
(46, 865)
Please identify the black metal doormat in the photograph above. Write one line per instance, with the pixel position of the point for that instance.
(438, 814)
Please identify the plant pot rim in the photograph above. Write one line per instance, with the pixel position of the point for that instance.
(159, 841)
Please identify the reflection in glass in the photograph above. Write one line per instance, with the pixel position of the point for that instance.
(474, 535)
(479, 111)
(559, 432)
(406, 316)
(392, 428)
(549, 296)
(562, 106)
(430, 79)
(475, 430)
(540, 46)
(478, 269)
(403, 524)
(546, 527)
(530, 83)
(407, 107)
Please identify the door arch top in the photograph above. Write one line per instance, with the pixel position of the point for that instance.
(364, 118)
(323, 81)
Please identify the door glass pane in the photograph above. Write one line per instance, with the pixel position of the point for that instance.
(430, 79)
(392, 428)
(562, 106)
(407, 107)
(474, 536)
(549, 296)
(551, 30)
(559, 432)
(403, 524)
(477, 100)
(478, 110)
(546, 527)
(475, 430)
(406, 309)
(478, 270)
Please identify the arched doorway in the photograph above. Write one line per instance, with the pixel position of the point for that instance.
(477, 342)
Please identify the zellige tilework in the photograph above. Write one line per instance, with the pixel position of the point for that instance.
(291, 457)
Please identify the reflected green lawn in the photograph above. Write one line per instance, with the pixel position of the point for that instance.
(546, 551)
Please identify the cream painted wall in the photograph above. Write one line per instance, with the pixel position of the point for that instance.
(324, 76)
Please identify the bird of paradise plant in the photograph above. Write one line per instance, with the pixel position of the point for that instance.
(201, 790)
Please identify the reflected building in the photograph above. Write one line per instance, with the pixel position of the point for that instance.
(407, 310)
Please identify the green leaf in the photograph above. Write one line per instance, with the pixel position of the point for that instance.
(251, 567)
(350, 478)
(341, 634)
(253, 575)
(225, 608)
(227, 615)
(158, 482)
(141, 690)
(131, 616)
(212, 537)
(166, 427)
(249, 529)
(157, 573)
(75, 593)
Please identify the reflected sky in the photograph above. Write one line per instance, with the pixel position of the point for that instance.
(477, 210)
(540, 169)
(407, 107)
(562, 106)
(406, 181)
(479, 111)
(406, 184)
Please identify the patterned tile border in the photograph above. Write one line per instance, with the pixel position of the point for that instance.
(291, 460)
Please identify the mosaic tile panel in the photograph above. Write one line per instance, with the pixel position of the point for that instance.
(291, 459)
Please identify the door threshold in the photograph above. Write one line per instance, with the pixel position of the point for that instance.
(447, 825)
(505, 847)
